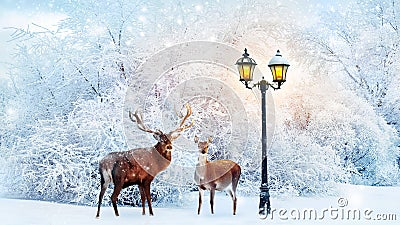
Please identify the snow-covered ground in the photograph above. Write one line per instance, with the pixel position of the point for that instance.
(369, 205)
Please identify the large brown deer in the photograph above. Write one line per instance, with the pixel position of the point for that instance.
(221, 175)
(138, 166)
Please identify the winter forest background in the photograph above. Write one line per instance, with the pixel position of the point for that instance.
(336, 118)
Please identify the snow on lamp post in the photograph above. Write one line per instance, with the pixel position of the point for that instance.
(278, 66)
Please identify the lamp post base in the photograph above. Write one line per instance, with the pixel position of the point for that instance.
(265, 204)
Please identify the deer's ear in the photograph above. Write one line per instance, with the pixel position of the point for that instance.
(210, 139)
(196, 139)
(157, 137)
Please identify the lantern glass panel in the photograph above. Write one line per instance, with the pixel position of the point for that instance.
(279, 72)
(285, 67)
(246, 72)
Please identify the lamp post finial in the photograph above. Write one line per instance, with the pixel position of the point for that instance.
(245, 54)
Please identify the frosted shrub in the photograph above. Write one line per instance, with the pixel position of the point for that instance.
(62, 110)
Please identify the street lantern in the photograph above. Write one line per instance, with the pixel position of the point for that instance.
(278, 66)
(246, 67)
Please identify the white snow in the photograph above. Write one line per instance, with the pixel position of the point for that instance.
(378, 201)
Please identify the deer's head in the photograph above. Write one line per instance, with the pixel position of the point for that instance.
(164, 139)
(203, 145)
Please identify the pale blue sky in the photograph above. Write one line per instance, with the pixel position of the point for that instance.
(21, 13)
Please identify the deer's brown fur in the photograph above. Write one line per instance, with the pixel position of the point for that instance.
(138, 166)
(221, 175)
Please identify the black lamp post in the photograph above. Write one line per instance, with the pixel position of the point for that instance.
(278, 66)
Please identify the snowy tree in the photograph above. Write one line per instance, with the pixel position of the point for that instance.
(57, 74)
(342, 129)
(64, 109)
(356, 46)
(363, 45)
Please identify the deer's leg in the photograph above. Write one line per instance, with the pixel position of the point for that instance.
(201, 194)
(235, 181)
(102, 191)
(234, 199)
(234, 203)
(212, 194)
(148, 197)
(103, 185)
(114, 197)
(143, 198)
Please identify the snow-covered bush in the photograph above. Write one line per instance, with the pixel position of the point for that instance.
(64, 109)
(342, 131)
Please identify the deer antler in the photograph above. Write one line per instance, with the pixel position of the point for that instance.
(183, 127)
(139, 121)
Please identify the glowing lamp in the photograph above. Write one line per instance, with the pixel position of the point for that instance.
(246, 67)
(278, 66)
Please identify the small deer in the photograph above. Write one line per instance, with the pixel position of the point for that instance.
(221, 175)
(138, 166)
